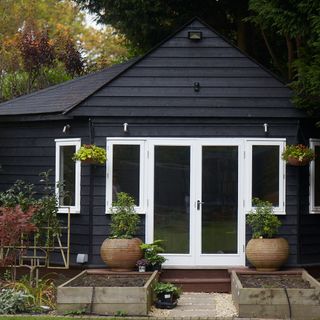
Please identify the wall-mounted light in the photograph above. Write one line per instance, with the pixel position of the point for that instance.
(66, 129)
(195, 35)
(82, 258)
(125, 127)
(196, 86)
(266, 127)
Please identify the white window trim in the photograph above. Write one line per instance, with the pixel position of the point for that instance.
(141, 209)
(69, 142)
(312, 208)
(279, 210)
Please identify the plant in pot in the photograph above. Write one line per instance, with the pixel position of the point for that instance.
(151, 252)
(167, 295)
(90, 153)
(298, 155)
(121, 251)
(264, 251)
(142, 265)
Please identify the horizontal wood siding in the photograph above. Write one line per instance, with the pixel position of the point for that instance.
(26, 149)
(162, 83)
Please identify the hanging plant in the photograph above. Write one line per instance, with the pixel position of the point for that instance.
(90, 153)
(298, 155)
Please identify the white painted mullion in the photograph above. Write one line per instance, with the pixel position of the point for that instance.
(150, 192)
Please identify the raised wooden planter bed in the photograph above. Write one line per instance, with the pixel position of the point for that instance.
(106, 293)
(276, 302)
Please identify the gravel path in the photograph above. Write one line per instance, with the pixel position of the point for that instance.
(204, 305)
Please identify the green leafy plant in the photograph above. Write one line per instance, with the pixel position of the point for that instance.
(121, 313)
(161, 288)
(151, 252)
(91, 153)
(263, 222)
(77, 312)
(299, 152)
(13, 301)
(124, 219)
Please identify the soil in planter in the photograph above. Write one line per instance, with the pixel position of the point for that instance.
(99, 280)
(273, 281)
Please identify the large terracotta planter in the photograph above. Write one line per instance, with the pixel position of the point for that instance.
(267, 254)
(121, 254)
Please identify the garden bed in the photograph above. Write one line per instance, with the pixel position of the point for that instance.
(276, 295)
(107, 293)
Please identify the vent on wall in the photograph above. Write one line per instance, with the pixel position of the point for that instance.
(195, 35)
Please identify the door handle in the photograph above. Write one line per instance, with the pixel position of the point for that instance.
(199, 203)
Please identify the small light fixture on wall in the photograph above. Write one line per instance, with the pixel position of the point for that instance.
(125, 127)
(196, 86)
(266, 127)
(195, 35)
(66, 129)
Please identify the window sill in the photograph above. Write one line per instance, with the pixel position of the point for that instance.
(65, 210)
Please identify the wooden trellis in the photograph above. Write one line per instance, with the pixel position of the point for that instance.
(34, 255)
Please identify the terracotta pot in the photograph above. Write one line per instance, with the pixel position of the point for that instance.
(121, 254)
(267, 254)
(295, 162)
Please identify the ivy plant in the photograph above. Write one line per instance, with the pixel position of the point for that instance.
(91, 153)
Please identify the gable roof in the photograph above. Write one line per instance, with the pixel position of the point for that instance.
(161, 83)
(61, 97)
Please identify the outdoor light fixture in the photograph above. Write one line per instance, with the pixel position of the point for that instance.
(125, 127)
(195, 35)
(82, 258)
(66, 129)
(196, 86)
(265, 125)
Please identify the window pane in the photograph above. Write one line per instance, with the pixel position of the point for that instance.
(67, 176)
(126, 171)
(317, 177)
(171, 197)
(265, 173)
(220, 199)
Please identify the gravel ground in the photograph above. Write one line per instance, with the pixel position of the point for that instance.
(200, 305)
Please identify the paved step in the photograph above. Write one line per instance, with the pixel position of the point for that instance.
(199, 280)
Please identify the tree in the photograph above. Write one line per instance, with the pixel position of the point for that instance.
(297, 24)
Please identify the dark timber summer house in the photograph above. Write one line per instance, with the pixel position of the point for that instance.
(193, 130)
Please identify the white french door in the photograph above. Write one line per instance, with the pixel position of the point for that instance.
(195, 200)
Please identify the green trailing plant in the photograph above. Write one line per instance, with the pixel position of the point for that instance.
(263, 222)
(91, 153)
(162, 288)
(13, 301)
(299, 152)
(151, 252)
(124, 219)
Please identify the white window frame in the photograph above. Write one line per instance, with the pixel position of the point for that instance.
(280, 210)
(61, 143)
(312, 208)
(110, 142)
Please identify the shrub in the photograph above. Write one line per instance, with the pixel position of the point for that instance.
(263, 222)
(151, 252)
(124, 219)
(12, 301)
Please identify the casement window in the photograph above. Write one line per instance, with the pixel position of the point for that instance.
(125, 171)
(314, 183)
(68, 175)
(266, 173)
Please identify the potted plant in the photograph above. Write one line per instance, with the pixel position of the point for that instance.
(121, 251)
(298, 155)
(142, 265)
(167, 295)
(90, 153)
(264, 251)
(151, 252)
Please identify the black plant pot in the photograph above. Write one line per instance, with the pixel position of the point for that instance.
(166, 301)
(155, 267)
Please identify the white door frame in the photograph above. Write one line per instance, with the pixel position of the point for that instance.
(194, 257)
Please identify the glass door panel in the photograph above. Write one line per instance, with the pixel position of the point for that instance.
(172, 197)
(219, 219)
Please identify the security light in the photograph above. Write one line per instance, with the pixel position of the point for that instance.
(195, 35)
